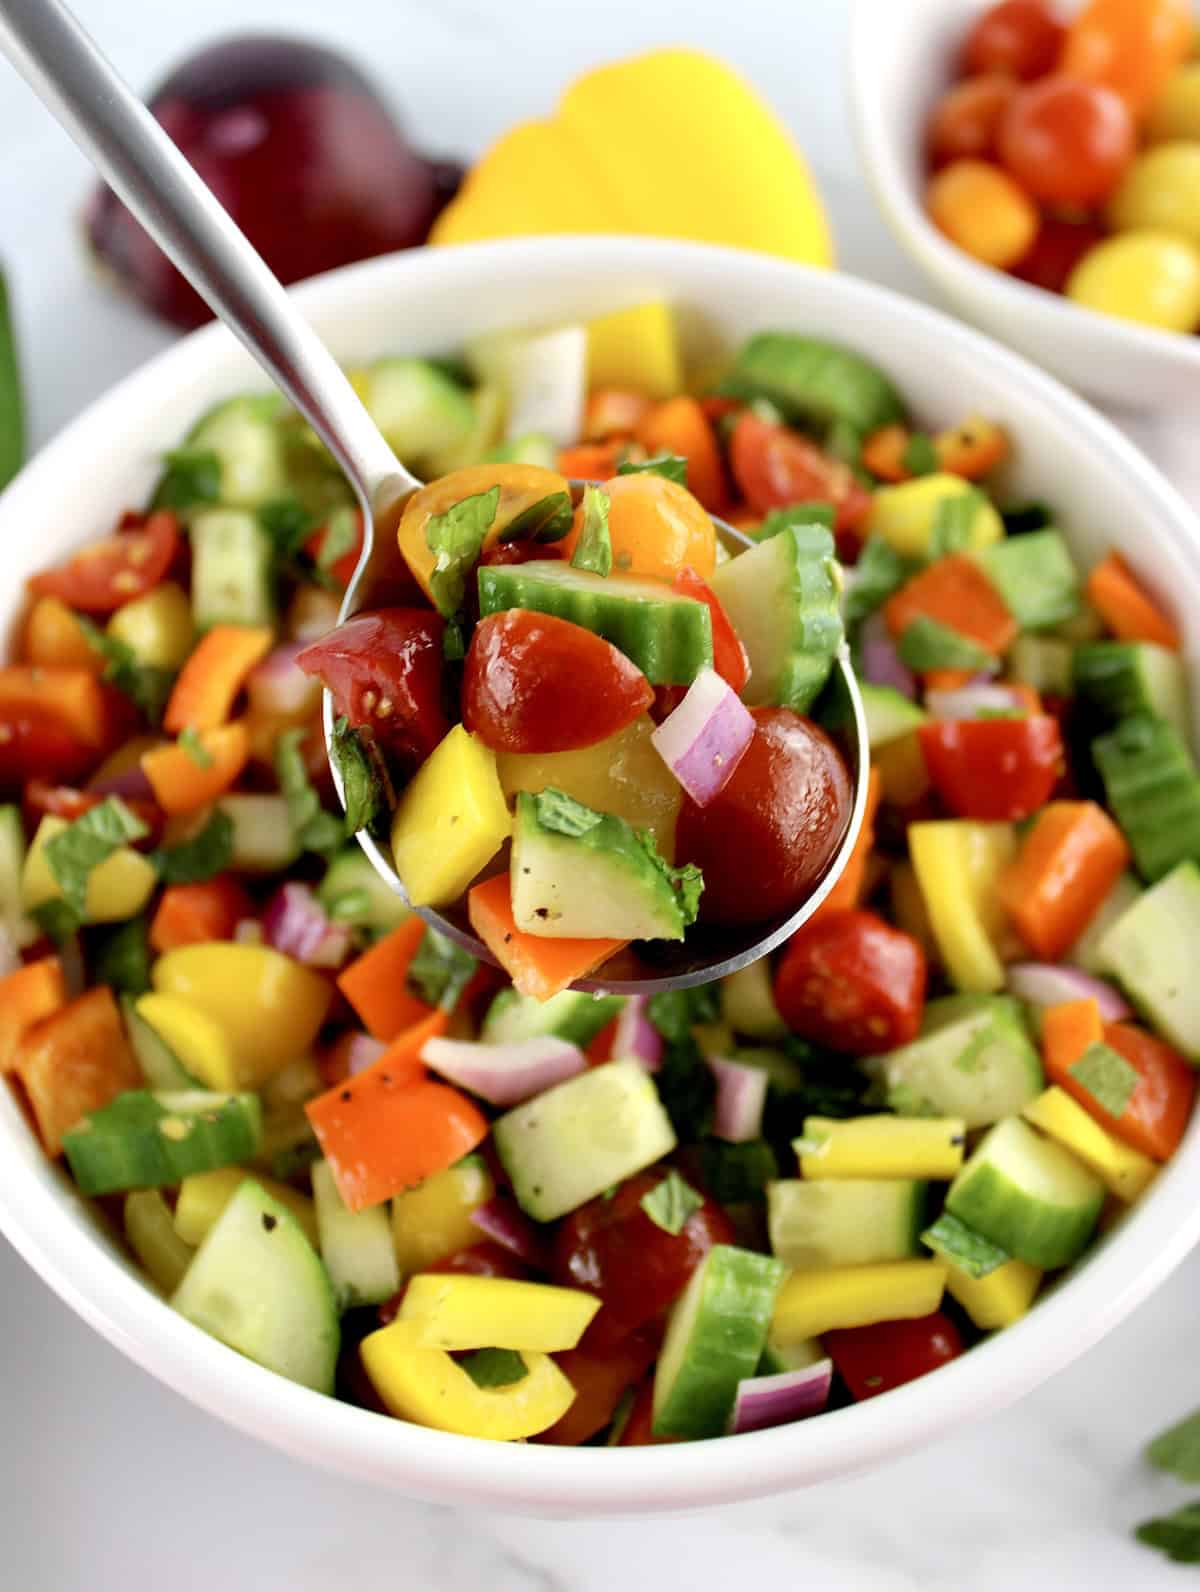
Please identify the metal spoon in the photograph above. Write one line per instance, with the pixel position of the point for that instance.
(118, 134)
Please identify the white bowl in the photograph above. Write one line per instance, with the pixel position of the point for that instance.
(1108, 495)
(900, 60)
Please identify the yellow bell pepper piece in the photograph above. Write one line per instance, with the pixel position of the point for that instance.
(958, 863)
(119, 888)
(463, 1312)
(203, 1196)
(428, 1387)
(433, 1220)
(908, 907)
(158, 627)
(196, 1039)
(905, 515)
(903, 774)
(881, 1147)
(1124, 1171)
(669, 144)
(998, 1299)
(451, 821)
(812, 1302)
(269, 1006)
(636, 348)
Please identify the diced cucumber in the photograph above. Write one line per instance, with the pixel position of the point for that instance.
(264, 840)
(1124, 678)
(778, 1357)
(245, 434)
(543, 375)
(1028, 1195)
(851, 1222)
(144, 1140)
(1036, 577)
(150, 1233)
(783, 598)
(356, 1246)
(1151, 949)
(605, 881)
(1044, 662)
(1153, 790)
(889, 714)
(715, 1336)
(571, 1015)
(160, 1066)
(569, 1144)
(814, 382)
(425, 415)
(352, 892)
(232, 581)
(533, 448)
(21, 929)
(668, 636)
(1085, 953)
(973, 1059)
(258, 1285)
(748, 1003)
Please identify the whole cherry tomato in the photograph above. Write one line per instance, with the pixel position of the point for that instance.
(994, 769)
(729, 656)
(774, 467)
(1131, 46)
(536, 683)
(385, 672)
(853, 982)
(1066, 141)
(35, 742)
(104, 576)
(638, 1431)
(872, 1360)
(965, 123)
(1020, 37)
(1057, 250)
(767, 838)
(983, 210)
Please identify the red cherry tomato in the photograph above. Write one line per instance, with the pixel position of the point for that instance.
(103, 577)
(1131, 46)
(342, 569)
(610, 1247)
(765, 841)
(729, 656)
(774, 467)
(1157, 1112)
(994, 769)
(872, 1360)
(853, 982)
(535, 683)
(1067, 142)
(1057, 250)
(43, 798)
(638, 1431)
(1020, 37)
(600, 1381)
(34, 742)
(385, 672)
(965, 123)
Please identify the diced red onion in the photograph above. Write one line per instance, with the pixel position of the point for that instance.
(969, 701)
(502, 1220)
(277, 686)
(881, 663)
(741, 1096)
(635, 1037)
(764, 1401)
(505, 1074)
(1048, 984)
(362, 1052)
(295, 923)
(704, 739)
(131, 784)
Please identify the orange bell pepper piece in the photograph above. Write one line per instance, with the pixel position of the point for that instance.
(1126, 607)
(191, 914)
(181, 784)
(210, 680)
(29, 995)
(847, 892)
(72, 696)
(374, 983)
(538, 967)
(1069, 861)
(74, 1062)
(680, 426)
(53, 638)
(955, 592)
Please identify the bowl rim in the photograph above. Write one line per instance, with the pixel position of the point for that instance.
(37, 1215)
(909, 222)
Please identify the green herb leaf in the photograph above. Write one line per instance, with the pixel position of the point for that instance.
(122, 958)
(195, 748)
(1025, 517)
(1177, 1535)
(920, 455)
(440, 970)
(353, 905)
(1109, 1079)
(86, 843)
(927, 644)
(12, 404)
(362, 790)
(670, 1203)
(289, 525)
(671, 465)
(687, 881)
(146, 687)
(454, 641)
(594, 549)
(314, 828)
(963, 1247)
(547, 520)
(455, 538)
(674, 1012)
(563, 814)
(737, 1173)
(202, 857)
(797, 515)
(880, 571)
(192, 475)
(57, 921)
(953, 522)
(495, 1367)
(1177, 1450)
(341, 537)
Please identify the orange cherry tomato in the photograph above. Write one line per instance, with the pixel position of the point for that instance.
(656, 527)
(1130, 46)
(774, 467)
(983, 210)
(965, 123)
(1067, 142)
(1020, 37)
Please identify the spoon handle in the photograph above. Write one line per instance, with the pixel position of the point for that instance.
(119, 135)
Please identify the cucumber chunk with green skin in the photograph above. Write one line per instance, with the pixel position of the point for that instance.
(844, 1222)
(264, 840)
(889, 714)
(1036, 577)
(246, 435)
(352, 892)
(604, 881)
(572, 1142)
(1086, 952)
(814, 382)
(425, 416)
(778, 1357)
(232, 570)
(1151, 950)
(571, 1015)
(1153, 789)
(356, 1246)
(973, 1059)
(668, 636)
(12, 863)
(783, 598)
(1028, 1195)
(748, 1002)
(716, 1334)
(258, 1285)
(145, 1140)
(1124, 678)
(1044, 662)
(160, 1066)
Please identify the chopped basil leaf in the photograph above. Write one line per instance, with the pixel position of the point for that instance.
(1177, 1535)
(563, 814)
(920, 455)
(927, 644)
(454, 641)
(340, 538)
(122, 958)
(205, 855)
(495, 1367)
(364, 797)
(687, 881)
(670, 1203)
(57, 921)
(797, 514)
(736, 1173)
(1178, 1448)
(192, 475)
(673, 1012)
(963, 1247)
(880, 571)
(671, 465)
(1025, 517)
(289, 525)
(953, 522)
(594, 549)
(1108, 1078)
(83, 845)
(440, 970)
(547, 520)
(314, 828)
(195, 748)
(455, 538)
(146, 687)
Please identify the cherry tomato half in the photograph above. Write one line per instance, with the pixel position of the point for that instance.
(34, 742)
(43, 798)
(853, 982)
(774, 467)
(1131, 46)
(656, 527)
(1020, 37)
(342, 568)
(994, 769)
(729, 656)
(965, 124)
(872, 1360)
(1067, 142)
(101, 578)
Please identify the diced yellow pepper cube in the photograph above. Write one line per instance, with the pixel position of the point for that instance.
(998, 1299)
(958, 863)
(433, 1220)
(463, 1312)
(119, 888)
(812, 1302)
(635, 348)
(203, 1196)
(881, 1146)
(905, 515)
(903, 773)
(1126, 1172)
(158, 627)
(451, 821)
(430, 1388)
(198, 1041)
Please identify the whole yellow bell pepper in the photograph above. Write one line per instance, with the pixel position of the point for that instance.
(462, 1312)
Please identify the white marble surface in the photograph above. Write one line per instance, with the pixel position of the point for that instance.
(108, 1481)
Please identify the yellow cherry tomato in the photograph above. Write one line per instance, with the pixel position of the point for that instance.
(656, 527)
(1150, 277)
(1176, 111)
(1160, 192)
(982, 209)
